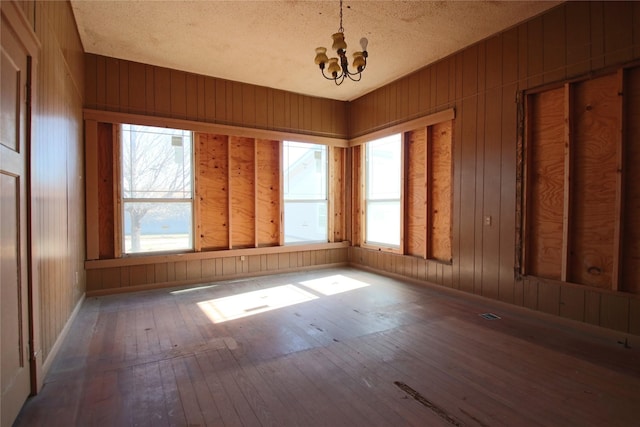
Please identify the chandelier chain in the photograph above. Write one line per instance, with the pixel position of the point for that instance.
(341, 30)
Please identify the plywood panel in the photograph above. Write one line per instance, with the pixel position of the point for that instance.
(268, 192)
(213, 191)
(416, 194)
(441, 190)
(545, 184)
(631, 227)
(594, 182)
(356, 195)
(337, 192)
(242, 187)
(106, 224)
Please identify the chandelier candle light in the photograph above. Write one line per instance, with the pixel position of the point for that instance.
(338, 68)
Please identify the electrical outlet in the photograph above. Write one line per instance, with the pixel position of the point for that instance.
(487, 220)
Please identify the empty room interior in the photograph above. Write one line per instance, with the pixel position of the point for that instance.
(301, 213)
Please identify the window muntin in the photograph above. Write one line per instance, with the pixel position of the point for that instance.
(157, 189)
(305, 192)
(383, 168)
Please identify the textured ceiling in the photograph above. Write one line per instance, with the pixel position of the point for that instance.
(272, 43)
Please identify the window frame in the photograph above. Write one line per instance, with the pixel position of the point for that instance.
(122, 200)
(325, 185)
(383, 246)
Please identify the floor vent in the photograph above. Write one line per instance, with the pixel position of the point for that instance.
(490, 316)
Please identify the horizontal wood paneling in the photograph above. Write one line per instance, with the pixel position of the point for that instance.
(118, 85)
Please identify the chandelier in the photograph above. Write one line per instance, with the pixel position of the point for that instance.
(338, 68)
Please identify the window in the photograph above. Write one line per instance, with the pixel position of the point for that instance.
(157, 189)
(383, 169)
(305, 192)
(580, 202)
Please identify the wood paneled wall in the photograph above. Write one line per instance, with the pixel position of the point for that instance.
(482, 82)
(57, 168)
(176, 270)
(130, 87)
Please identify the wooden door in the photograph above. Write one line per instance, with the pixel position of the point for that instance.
(15, 375)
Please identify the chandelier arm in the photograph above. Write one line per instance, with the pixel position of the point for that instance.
(350, 75)
(330, 77)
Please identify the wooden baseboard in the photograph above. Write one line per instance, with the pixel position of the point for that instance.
(46, 364)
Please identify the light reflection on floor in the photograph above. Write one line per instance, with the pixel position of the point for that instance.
(254, 302)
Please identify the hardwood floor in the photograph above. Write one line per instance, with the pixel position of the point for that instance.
(329, 348)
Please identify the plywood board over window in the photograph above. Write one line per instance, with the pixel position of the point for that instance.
(212, 191)
(580, 179)
(429, 192)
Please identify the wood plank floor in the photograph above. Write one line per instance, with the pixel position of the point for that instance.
(329, 348)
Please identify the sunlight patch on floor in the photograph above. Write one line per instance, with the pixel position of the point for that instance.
(249, 303)
(335, 284)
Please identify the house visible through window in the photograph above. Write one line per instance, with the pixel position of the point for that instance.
(157, 189)
(383, 191)
(305, 192)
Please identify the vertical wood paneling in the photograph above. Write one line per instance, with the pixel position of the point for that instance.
(112, 73)
(467, 177)
(178, 94)
(507, 224)
(57, 154)
(535, 52)
(577, 37)
(596, 20)
(191, 96)
(618, 42)
(554, 45)
(491, 193)
(137, 86)
(123, 80)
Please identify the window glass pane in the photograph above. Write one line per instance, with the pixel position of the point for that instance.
(150, 227)
(383, 190)
(156, 162)
(305, 221)
(305, 171)
(157, 189)
(383, 168)
(383, 222)
(305, 192)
